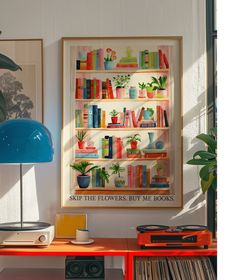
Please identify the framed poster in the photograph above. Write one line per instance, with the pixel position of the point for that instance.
(122, 123)
(21, 79)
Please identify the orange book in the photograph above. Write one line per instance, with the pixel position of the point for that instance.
(141, 114)
(134, 119)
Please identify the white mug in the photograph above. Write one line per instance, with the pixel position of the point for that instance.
(82, 235)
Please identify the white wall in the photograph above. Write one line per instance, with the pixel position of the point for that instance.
(53, 19)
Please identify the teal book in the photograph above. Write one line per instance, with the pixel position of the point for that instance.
(144, 177)
(90, 116)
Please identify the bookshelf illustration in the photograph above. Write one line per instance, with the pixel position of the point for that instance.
(123, 100)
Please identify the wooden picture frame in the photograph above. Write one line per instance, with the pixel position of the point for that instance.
(21, 79)
(152, 171)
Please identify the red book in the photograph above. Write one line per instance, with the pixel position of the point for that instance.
(141, 114)
(161, 60)
(77, 88)
(166, 61)
(89, 61)
(134, 119)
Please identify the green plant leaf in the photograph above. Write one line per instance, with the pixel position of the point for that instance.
(209, 140)
(204, 155)
(204, 173)
(198, 162)
(205, 185)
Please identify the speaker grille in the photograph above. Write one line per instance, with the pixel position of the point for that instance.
(89, 268)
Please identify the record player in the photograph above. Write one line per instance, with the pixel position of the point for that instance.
(173, 236)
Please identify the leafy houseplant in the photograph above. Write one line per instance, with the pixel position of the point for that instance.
(114, 115)
(81, 136)
(117, 169)
(148, 113)
(109, 59)
(104, 176)
(142, 91)
(208, 159)
(150, 90)
(121, 81)
(83, 167)
(133, 140)
(160, 85)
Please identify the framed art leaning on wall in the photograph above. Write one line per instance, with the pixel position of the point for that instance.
(122, 122)
(21, 79)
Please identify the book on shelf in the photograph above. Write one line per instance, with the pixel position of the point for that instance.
(159, 185)
(146, 124)
(133, 153)
(115, 125)
(155, 155)
(84, 155)
(87, 151)
(157, 59)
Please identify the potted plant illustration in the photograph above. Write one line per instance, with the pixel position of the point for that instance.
(148, 114)
(142, 90)
(109, 59)
(114, 116)
(150, 90)
(207, 159)
(81, 136)
(104, 175)
(121, 82)
(84, 168)
(160, 85)
(133, 141)
(117, 169)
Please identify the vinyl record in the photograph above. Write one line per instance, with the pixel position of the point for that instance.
(192, 227)
(144, 228)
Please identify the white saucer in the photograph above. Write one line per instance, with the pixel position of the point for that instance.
(90, 241)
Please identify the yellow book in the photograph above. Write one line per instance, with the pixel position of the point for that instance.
(67, 223)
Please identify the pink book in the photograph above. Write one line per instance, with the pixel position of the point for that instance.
(100, 59)
(129, 176)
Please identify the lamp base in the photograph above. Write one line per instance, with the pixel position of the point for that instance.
(24, 227)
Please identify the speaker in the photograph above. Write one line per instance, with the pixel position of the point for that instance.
(85, 268)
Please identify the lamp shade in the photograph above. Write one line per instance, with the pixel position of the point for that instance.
(25, 141)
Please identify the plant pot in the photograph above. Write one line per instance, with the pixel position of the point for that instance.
(150, 94)
(119, 182)
(120, 92)
(147, 114)
(133, 145)
(108, 65)
(142, 93)
(161, 92)
(81, 144)
(114, 119)
(83, 181)
(133, 93)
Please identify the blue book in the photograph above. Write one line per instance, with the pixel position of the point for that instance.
(83, 155)
(88, 88)
(99, 117)
(110, 147)
(95, 116)
(90, 116)
(144, 177)
(98, 177)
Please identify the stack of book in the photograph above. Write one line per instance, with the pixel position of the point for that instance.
(154, 153)
(147, 123)
(154, 59)
(88, 152)
(133, 153)
(159, 182)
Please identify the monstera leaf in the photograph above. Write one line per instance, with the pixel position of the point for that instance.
(3, 108)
